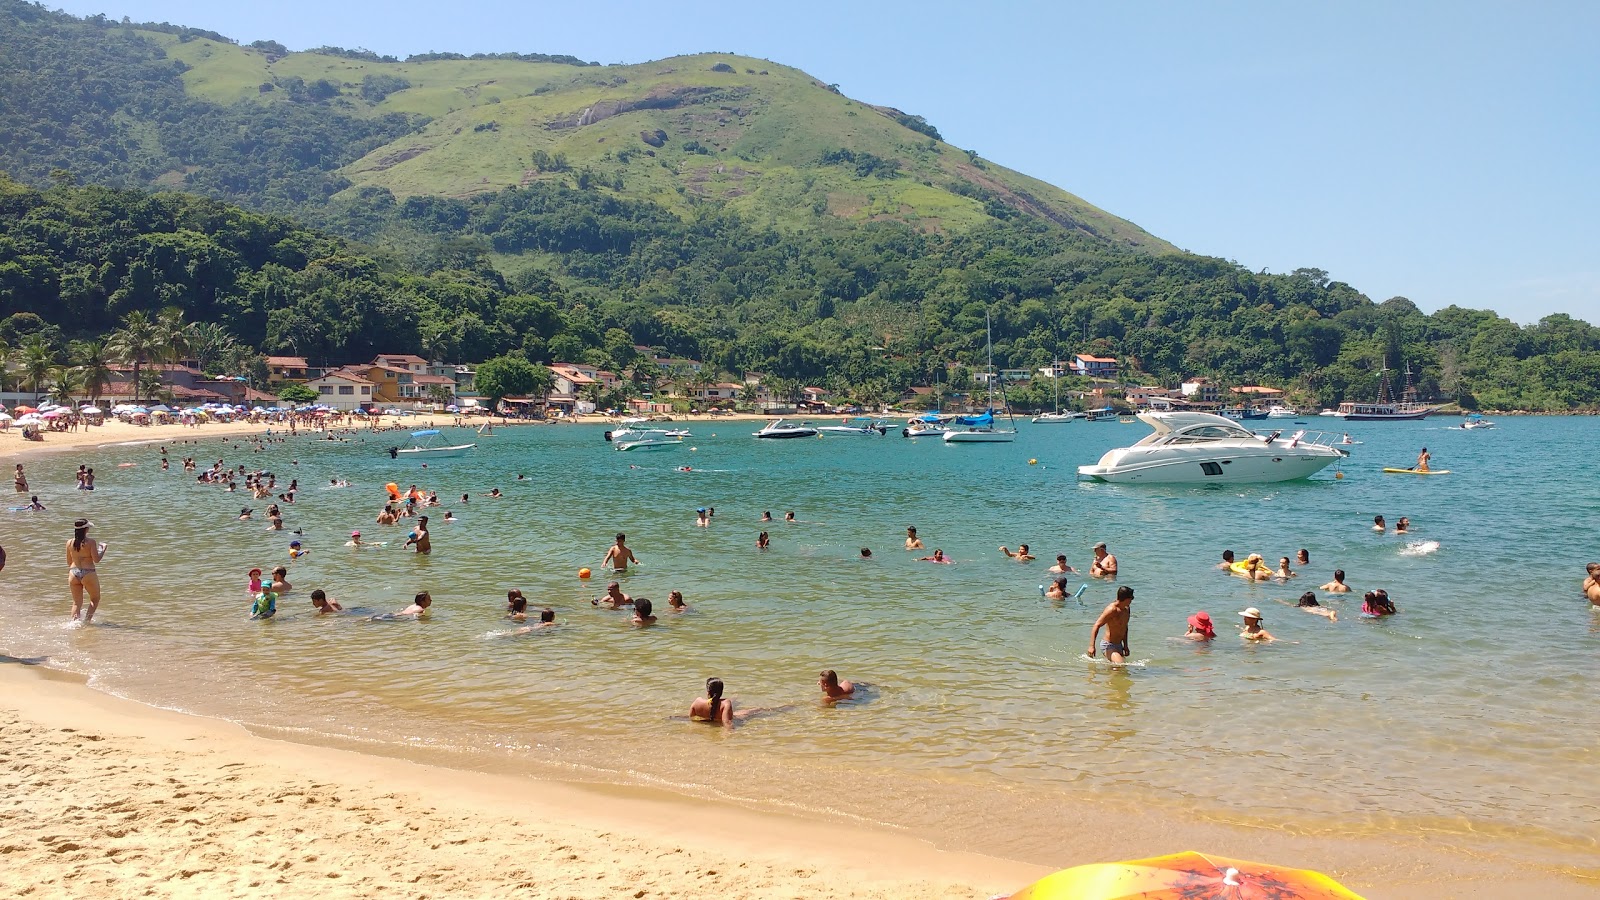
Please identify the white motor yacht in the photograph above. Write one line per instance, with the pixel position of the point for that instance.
(644, 439)
(778, 428)
(1278, 411)
(930, 425)
(1188, 447)
(864, 426)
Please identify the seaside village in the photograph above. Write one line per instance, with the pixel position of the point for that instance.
(405, 383)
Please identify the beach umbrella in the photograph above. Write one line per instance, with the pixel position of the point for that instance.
(52, 414)
(1185, 876)
(5, 417)
(24, 410)
(30, 419)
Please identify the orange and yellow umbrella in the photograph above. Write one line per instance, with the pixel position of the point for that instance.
(1185, 876)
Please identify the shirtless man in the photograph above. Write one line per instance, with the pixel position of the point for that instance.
(1104, 565)
(324, 605)
(1422, 460)
(614, 597)
(832, 687)
(419, 536)
(619, 555)
(1591, 584)
(1337, 585)
(1114, 619)
(912, 541)
(1061, 567)
(82, 554)
(1227, 560)
(1022, 555)
(280, 581)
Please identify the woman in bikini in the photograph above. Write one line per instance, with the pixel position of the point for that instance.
(82, 554)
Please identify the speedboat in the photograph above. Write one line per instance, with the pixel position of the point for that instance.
(1280, 412)
(929, 425)
(1059, 417)
(1475, 420)
(778, 428)
(431, 449)
(1192, 447)
(644, 439)
(865, 426)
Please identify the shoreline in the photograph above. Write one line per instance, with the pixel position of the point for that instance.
(246, 814)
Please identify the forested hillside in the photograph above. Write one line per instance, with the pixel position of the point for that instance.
(835, 272)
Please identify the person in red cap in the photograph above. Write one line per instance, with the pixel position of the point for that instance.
(1200, 627)
(255, 581)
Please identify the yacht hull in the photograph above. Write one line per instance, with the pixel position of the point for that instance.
(1236, 467)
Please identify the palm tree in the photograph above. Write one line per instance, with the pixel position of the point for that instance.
(65, 382)
(93, 365)
(37, 358)
(137, 342)
(211, 345)
(173, 333)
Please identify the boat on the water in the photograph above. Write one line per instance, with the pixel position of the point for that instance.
(779, 429)
(1385, 409)
(1189, 447)
(1475, 421)
(1243, 413)
(1278, 411)
(927, 425)
(865, 426)
(981, 429)
(644, 439)
(1103, 414)
(432, 449)
(1059, 417)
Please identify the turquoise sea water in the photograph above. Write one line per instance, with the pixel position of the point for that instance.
(1470, 716)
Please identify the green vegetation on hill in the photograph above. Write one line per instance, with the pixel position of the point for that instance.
(713, 206)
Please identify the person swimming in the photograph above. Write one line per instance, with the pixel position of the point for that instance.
(1379, 525)
(675, 601)
(323, 603)
(643, 613)
(832, 687)
(937, 557)
(1252, 630)
(712, 708)
(1022, 554)
(1227, 560)
(763, 541)
(1200, 627)
(1337, 585)
(1591, 583)
(516, 605)
(613, 597)
(1057, 589)
(1308, 603)
(1377, 604)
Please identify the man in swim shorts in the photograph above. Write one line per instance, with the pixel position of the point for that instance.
(1022, 554)
(1114, 619)
(619, 555)
(912, 541)
(1422, 460)
(1061, 567)
(420, 537)
(1104, 565)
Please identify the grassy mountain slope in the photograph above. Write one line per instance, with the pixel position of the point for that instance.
(750, 133)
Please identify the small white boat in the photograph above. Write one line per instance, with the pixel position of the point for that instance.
(1103, 414)
(433, 450)
(779, 429)
(1059, 417)
(1475, 421)
(930, 425)
(1280, 412)
(865, 426)
(644, 439)
(1190, 447)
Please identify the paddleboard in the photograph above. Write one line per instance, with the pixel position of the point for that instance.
(1415, 472)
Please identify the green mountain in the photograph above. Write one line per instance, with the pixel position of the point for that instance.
(710, 206)
(767, 141)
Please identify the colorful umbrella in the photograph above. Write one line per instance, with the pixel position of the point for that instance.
(24, 410)
(1185, 876)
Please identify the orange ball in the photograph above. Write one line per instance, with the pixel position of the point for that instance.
(584, 574)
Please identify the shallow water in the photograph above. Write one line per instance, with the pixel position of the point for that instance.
(1470, 715)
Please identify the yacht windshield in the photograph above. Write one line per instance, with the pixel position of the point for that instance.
(1201, 434)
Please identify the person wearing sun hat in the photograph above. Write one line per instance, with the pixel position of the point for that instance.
(82, 555)
(255, 581)
(1200, 627)
(1252, 626)
(355, 539)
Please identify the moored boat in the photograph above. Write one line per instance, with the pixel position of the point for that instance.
(432, 450)
(1188, 447)
(779, 429)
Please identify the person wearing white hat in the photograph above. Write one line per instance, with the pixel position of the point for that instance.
(1252, 626)
(82, 555)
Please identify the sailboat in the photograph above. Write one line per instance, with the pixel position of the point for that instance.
(1060, 416)
(980, 429)
(1386, 410)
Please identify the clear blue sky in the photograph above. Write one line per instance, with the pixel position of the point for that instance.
(1448, 152)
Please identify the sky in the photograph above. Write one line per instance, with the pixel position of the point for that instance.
(1448, 152)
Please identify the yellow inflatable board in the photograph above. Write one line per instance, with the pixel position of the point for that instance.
(1415, 472)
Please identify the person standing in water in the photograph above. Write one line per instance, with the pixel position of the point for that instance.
(912, 541)
(1422, 460)
(419, 537)
(20, 480)
(1591, 583)
(619, 555)
(1104, 565)
(82, 554)
(1114, 619)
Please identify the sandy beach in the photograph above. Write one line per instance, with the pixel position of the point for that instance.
(107, 798)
